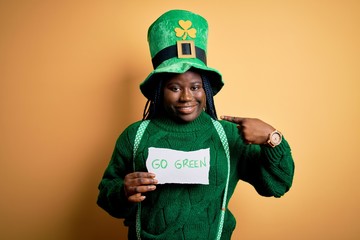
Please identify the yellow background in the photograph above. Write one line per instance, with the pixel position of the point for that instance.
(70, 71)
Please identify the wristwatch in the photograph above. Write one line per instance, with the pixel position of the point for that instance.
(275, 138)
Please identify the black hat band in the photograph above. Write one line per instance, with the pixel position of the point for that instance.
(183, 49)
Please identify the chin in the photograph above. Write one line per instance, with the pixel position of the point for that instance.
(186, 118)
(183, 117)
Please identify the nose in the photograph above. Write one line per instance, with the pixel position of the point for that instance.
(186, 95)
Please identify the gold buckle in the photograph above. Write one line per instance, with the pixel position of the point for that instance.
(186, 44)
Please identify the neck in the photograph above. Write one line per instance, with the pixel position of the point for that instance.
(172, 125)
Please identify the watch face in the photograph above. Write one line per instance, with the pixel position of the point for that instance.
(276, 138)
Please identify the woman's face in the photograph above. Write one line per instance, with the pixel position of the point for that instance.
(184, 96)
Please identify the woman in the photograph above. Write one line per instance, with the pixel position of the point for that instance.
(180, 123)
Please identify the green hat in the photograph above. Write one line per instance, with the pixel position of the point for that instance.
(178, 42)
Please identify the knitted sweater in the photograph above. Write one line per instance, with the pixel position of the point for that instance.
(192, 211)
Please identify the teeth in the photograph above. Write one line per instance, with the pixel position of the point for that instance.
(185, 109)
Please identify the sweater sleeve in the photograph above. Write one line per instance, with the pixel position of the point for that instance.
(275, 170)
(269, 170)
(111, 188)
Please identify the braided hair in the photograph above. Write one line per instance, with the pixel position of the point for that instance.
(210, 104)
(153, 106)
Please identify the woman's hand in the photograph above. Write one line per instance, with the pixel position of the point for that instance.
(137, 183)
(254, 130)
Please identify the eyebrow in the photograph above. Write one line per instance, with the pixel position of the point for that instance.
(192, 81)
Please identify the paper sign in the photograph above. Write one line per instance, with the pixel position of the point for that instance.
(173, 166)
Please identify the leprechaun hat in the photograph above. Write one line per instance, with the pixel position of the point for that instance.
(178, 42)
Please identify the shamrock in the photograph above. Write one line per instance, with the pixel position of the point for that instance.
(186, 30)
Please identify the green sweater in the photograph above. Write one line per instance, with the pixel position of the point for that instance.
(192, 211)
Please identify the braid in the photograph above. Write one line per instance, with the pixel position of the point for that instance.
(210, 105)
(152, 107)
(146, 109)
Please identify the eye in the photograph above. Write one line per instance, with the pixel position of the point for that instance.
(195, 87)
(174, 88)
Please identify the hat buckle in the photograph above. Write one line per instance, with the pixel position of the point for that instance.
(186, 49)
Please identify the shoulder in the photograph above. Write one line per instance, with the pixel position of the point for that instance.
(232, 133)
(129, 133)
(132, 128)
(229, 127)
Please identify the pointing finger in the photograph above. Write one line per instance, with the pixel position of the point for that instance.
(232, 119)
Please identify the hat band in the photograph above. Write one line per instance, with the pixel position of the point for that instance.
(172, 51)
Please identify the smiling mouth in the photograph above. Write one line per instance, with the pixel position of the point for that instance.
(186, 109)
